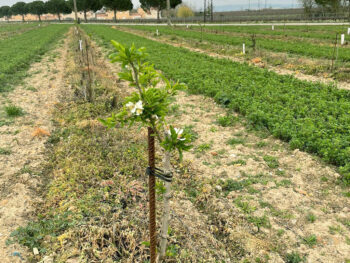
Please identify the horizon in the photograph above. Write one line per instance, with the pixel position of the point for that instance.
(219, 5)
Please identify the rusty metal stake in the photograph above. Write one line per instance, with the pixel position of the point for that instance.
(152, 195)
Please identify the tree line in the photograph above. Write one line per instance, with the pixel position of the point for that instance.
(325, 6)
(59, 7)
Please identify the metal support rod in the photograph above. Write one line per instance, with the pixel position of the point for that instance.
(152, 196)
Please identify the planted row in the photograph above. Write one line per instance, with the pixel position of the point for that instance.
(313, 32)
(312, 117)
(18, 52)
(292, 47)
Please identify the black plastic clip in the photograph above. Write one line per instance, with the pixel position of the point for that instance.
(160, 174)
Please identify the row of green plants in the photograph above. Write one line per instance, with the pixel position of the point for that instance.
(313, 32)
(18, 52)
(14, 27)
(291, 47)
(310, 116)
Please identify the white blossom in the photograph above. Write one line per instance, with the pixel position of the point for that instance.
(138, 108)
(179, 132)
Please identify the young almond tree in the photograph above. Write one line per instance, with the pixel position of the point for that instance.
(148, 105)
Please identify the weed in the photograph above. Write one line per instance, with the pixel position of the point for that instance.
(5, 151)
(203, 148)
(280, 232)
(284, 183)
(261, 144)
(32, 234)
(244, 206)
(13, 111)
(172, 250)
(259, 222)
(346, 194)
(231, 185)
(32, 89)
(294, 257)
(280, 172)
(174, 110)
(324, 179)
(226, 121)
(310, 240)
(235, 141)
(188, 129)
(345, 222)
(239, 162)
(335, 229)
(213, 129)
(311, 217)
(271, 161)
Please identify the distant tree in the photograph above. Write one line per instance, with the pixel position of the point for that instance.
(158, 4)
(37, 8)
(86, 6)
(118, 5)
(308, 5)
(331, 5)
(184, 11)
(58, 7)
(20, 8)
(5, 11)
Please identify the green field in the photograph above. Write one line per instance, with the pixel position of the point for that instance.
(311, 117)
(31, 44)
(253, 155)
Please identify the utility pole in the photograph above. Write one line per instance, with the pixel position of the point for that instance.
(168, 12)
(249, 5)
(205, 11)
(75, 10)
(212, 11)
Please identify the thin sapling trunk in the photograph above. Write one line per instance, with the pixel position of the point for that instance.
(166, 208)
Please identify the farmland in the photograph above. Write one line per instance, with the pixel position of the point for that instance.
(283, 46)
(266, 178)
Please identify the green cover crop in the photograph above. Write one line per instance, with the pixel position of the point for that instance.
(18, 52)
(291, 47)
(310, 116)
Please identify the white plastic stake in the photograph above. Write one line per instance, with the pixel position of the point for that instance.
(349, 31)
(157, 32)
(273, 27)
(81, 45)
(187, 27)
(342, 40)
(243, 48)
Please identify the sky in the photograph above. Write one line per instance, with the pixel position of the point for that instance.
(219, 5)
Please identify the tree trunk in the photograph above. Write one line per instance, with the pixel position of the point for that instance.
(39, 18)
(85, 17)
(22, 17)
(166, 209)
(158, 14)
(59, 17)
(115, 15)
(168, 12)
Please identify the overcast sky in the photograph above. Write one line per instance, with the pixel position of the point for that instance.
(219, 5)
